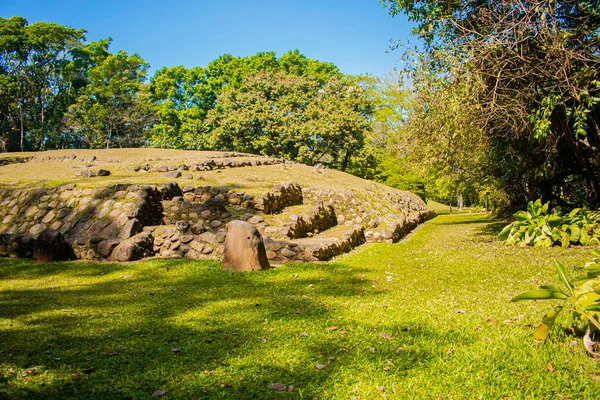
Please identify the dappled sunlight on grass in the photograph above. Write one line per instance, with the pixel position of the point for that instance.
(427, 317)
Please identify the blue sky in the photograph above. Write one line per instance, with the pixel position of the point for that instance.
(353, 34)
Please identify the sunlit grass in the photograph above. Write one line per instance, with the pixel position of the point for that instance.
(429, 317)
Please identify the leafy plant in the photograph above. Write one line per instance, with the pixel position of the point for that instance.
(541, 228)
(581, 297)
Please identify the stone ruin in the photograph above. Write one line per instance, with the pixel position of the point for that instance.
(131, 222)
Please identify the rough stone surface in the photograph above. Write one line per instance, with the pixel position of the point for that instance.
(244, 248)
(172, 174)
(106, 247)
(127, 251)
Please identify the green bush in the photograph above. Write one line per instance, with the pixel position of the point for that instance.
(541, 228)
(581, 297)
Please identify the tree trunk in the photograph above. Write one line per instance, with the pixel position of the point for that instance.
(459, 200)
(22, 130)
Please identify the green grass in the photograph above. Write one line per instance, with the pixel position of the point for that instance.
(442, 209)
(442, 295)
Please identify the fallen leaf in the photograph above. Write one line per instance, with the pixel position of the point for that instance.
(278, 386)
(290, 388)
(381, 388)
(450, 351)
(589, 344)
(386, 336)
(343, 331)
(176, 350)
(460, 311)
(319, 366)
(373, 349)
(331, 328)
(331, 358)
(159, 393)
(303, 334)
(121, 347)
(550, 368)
(89, 370)
(264, 339)
(226, 385)
(386, 368)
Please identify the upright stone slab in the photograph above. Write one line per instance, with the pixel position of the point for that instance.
(244, 248)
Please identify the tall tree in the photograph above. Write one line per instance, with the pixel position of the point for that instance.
(112, 111)
(32, 61)
(538, 66)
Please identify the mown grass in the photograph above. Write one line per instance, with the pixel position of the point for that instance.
(426, 318)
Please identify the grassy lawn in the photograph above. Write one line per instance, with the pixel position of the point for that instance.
(427, 318)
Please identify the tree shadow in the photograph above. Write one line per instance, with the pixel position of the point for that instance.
(123, 331)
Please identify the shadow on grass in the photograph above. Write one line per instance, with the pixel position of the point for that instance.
(463, 219)
(493, 228)
(124, 331)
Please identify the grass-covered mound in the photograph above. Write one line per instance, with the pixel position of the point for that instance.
(429, 317)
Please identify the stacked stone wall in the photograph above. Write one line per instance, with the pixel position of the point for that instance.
(319, 220)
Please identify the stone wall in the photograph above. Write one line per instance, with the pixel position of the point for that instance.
(314, 249)
(395, 232)
(318, 220)
(284, 195)
(125, 223)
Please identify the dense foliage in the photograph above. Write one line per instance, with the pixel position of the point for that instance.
(543, 228)
(509, 90)
(57, 91)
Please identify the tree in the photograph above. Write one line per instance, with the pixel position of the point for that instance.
(537, 64)
(33, 58)
(186, 96)
(290, 116)
(113, 108)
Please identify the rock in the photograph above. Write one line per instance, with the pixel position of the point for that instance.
(127, 251)
(163, 168)
(198, 246)
(256, 219)
(172, 174)
(103, 172)
(50, 246)
(244, 248)
(132, 227)
(143, 239)
(106, 247)
(287, 253)
(216, 224)
(208, 237)
(197, 229)
(182, 226)
(188, 176)
(221, 237)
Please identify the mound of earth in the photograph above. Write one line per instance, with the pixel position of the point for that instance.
(126, 204)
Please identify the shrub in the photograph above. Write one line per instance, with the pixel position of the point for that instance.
(581, 297)
(541, 228)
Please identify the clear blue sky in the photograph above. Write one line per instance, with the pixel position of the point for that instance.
(353, 34)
